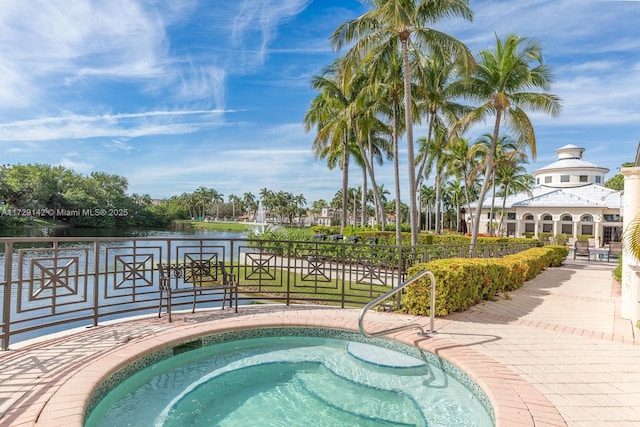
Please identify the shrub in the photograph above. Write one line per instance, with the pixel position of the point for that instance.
(463, 282)
(560, 239)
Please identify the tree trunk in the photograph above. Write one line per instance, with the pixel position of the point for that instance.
(485, 183)
(409, 129)
(345, 182)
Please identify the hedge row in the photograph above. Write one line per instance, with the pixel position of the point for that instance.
(463, 282)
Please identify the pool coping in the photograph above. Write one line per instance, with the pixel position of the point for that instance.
(64, 397)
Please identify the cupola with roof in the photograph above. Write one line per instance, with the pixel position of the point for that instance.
(570, 170)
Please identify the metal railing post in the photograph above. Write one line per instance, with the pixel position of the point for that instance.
(6, 306)
(392, 292)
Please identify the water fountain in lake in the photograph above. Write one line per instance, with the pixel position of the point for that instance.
(260, 219)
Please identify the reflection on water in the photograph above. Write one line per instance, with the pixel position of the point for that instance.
(46, 232)
(113, 232)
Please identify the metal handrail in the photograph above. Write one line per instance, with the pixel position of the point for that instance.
(394, 291)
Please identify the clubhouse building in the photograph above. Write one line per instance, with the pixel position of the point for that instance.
(568, 198)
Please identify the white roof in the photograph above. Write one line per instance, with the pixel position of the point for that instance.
(541, 196)
(570, 163)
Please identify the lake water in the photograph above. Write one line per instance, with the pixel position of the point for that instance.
(112, 232)
(79, 289)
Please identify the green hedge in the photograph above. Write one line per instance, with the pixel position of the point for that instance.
(463, 282)
(389, 238)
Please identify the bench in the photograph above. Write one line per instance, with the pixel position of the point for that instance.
(195, 278)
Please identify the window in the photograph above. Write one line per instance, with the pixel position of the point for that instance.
(583, 178)
(547, 223)
(587, 229)
(586, 218)
(511, 215)
(529, 226)
(567, 225)
(564, 178)
(611, 218)
(547, 180)
(598, 180)
(537, 181)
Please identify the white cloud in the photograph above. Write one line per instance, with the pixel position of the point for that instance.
(72, 126)
(49, 42)
(260, 17)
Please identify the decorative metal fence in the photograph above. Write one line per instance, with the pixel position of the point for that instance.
(52, 284)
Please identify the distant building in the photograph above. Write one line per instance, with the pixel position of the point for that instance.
(568, 198)
(327, 216)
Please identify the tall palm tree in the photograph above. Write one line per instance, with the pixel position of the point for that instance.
(329, 113)
(438, 80)
(398, 25)
(504, 84)
(368, 128)
(386, 71)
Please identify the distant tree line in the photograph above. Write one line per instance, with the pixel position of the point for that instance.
(55, 193)
(100, 200)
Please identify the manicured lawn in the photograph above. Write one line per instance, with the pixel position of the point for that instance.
(222, 226)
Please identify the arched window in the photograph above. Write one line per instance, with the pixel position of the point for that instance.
(529, 225)
(566, 225)
(586, 229)
(547, 224)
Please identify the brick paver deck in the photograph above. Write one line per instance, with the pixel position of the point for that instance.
(552, 353)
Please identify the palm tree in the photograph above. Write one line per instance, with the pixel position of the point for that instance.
(503, 84)
(386, 70)
(397, 25)
(233, 199)
(438, 82)
(329, 113)
(463, 162)
(507, 151)
(249, 202)
(216, 198)
(631, 238)
(454, 195)
(512, 178)
(436, 162)
(428, 199)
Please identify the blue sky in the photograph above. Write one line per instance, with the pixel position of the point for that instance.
(178, 94)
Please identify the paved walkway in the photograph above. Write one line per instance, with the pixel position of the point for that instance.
(552, 353)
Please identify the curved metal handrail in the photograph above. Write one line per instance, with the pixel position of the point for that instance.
(392, 292)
